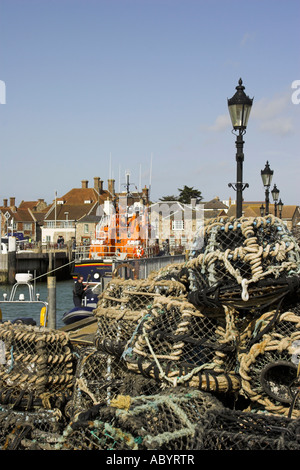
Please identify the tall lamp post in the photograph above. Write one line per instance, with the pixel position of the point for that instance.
(275, 195)
(266, 176)
(239, 107)
(280, 207)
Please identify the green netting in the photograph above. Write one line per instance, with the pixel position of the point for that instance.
(165, 421)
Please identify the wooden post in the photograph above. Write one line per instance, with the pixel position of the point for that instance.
(12, 260)
(51, 285)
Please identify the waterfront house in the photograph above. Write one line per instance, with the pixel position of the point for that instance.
(64, 213)
(175, 223)
(23, 221)
(75, 215)
(214, 208)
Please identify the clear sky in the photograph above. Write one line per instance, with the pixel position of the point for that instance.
(96, 87)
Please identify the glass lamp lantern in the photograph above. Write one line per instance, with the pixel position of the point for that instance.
(280, 205)
(275, 193)
(267, 175)
(239, 107)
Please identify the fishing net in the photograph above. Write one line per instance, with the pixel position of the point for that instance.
(172, 356)
(100, 377)
(31, 430)
(283, 323)
(165, 421)
(244, 262)
(122, 305)
(36, 367)
(179, 344)
(269, 370)
(227, 429)
(137, 294)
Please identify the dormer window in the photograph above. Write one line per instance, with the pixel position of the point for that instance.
(87, 201)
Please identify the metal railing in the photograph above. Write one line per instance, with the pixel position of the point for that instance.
(84, 252)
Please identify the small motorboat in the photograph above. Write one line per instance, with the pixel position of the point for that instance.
(25, 279)
(77, 314)
(89, 304)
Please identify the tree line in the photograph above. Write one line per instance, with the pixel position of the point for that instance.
(185, 195)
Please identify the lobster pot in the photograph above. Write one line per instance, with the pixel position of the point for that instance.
(172, 272)
(227, 429)
(178, 344)
(115, 326)
(121, 308)
(30, 430)
(283, 324)
(100, 377)
(269, 371)
(36, 366)
(137, 294)
(244, 262)
(164, 421)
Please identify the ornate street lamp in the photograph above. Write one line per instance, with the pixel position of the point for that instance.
(239, 107)
(266, 176)
(275, 195)
(262, 210)
(280, 207)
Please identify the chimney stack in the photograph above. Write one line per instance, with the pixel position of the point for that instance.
(146, 194)
(111, 187)
(4, 202)
(84, 184)
(12, 202)
(98, 184)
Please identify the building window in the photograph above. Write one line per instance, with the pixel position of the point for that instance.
(177, 224)
(27, 226)
(86, 228)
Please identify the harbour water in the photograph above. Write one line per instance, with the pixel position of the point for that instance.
(64, 301)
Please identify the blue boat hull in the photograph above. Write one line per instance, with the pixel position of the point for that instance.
(92, 269)
(77, 314)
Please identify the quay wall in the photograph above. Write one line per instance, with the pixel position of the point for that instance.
(144, 267)
(3, 268)
(38, 264)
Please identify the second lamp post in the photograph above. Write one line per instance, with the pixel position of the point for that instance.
(266, 176)
(239, 109)
(275, 195)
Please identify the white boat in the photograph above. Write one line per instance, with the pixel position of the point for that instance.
(25, 279)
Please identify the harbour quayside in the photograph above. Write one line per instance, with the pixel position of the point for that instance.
(123, 237)
(25, 306)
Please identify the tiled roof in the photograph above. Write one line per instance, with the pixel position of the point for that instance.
(90, 218)
(80, 195)
(39, 216)
(69, 211)
(212, 214)
(27, 205)
(21, 215)
(252, 209)
(214, 204)
(78, 202)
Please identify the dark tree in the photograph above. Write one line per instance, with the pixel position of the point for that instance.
(169, 198)
(188, 193)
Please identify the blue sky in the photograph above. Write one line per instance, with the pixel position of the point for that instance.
(94, 86)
